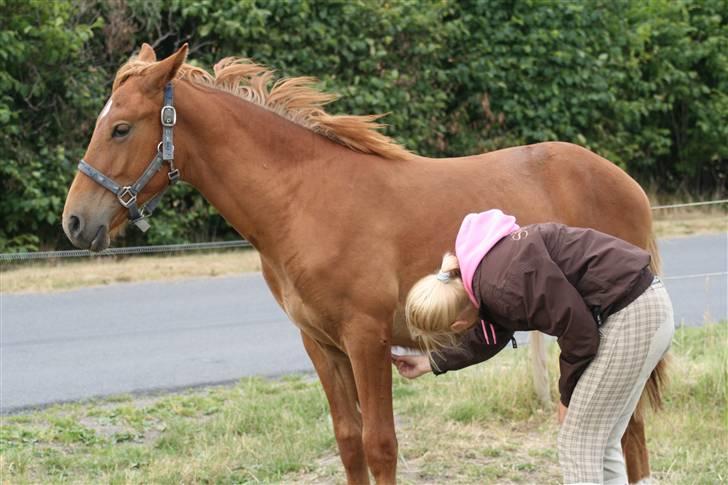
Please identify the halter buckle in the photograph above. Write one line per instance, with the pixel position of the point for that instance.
(173, 176)
(127, 196)
(141, 223)
(169, 116)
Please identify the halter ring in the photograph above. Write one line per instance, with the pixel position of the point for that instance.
(129, 193)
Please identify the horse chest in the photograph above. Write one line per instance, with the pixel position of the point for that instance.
(296, 309)
(310, 320)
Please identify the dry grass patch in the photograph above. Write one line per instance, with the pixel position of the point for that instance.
(690, 222)
(444, 451)
(103, 270)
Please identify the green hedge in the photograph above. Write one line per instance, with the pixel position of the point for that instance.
(645, 84)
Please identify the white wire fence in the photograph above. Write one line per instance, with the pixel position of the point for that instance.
(176, 248)
(168, 248)
(689, 204)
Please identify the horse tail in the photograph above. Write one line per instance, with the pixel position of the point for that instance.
(658, 377)
(655, 260)
(655, 384)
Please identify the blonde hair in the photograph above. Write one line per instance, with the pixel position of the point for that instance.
(433, 304)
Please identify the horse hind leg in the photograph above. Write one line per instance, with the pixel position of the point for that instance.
(634, 443)
(634, 448)
(335, 373)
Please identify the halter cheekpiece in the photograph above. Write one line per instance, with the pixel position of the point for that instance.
(127, 194)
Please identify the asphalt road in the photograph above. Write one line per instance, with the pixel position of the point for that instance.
(145, 337)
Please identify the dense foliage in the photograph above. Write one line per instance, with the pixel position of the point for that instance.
(644, 84)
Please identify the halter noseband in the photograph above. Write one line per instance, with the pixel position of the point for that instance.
(127, 194)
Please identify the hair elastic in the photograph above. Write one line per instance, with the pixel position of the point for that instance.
(443, 276)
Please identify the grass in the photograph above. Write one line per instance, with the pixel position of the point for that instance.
(77, 273)
(472, 426)
(255, 431)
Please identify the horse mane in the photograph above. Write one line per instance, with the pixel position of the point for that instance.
(295, 99)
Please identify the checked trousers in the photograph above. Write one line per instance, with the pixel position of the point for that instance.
(632, 342)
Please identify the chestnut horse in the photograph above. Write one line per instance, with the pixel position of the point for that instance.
(345, 220)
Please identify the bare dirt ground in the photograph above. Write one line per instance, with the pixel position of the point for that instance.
(503, 453)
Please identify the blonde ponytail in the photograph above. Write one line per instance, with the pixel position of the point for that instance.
(433, 304)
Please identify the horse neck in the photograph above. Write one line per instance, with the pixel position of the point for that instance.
(261, 171)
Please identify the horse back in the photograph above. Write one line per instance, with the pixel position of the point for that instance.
(557, 182)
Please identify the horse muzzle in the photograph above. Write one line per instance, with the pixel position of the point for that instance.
(94, 237)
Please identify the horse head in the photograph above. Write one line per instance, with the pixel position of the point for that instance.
(126, 137)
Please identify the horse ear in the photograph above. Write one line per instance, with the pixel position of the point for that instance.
(164, 71)
(146, 53)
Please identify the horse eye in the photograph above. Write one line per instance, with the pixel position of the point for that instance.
(121, 130)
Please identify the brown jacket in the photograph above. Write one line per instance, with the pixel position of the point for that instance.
(556, 279)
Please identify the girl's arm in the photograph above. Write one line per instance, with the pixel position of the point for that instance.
(412, 366)
(472, 348)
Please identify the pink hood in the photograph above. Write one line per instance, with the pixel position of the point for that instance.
(477, 235)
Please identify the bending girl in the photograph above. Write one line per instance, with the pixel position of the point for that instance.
(612, 317)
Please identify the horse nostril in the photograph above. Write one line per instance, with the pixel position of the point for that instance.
(74, 225)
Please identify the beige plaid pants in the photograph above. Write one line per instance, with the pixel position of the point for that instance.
(632, 342)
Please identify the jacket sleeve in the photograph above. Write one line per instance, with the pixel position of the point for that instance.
(552, 305)
(472, 348)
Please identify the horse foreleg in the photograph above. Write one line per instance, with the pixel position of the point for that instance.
(537, 349)
(334, 370)
(367, 342)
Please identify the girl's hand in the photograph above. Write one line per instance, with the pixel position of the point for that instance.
(412, 366)
(562, 412)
